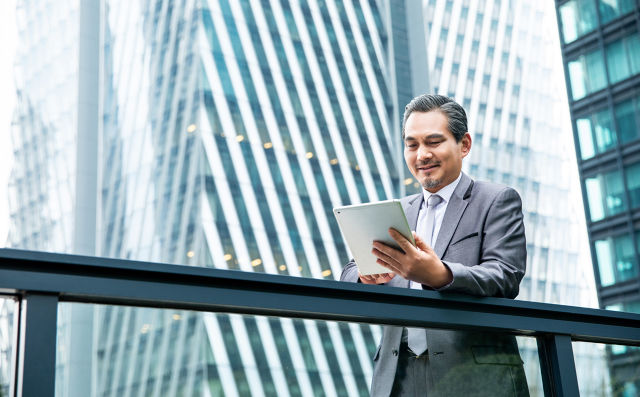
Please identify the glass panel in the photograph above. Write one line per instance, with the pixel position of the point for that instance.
(595, 134)
(626, 120)
(605, 193)
(594, 197)
(587, 74)
(604, 255)
(577, 78)
(142, 351)
(610, 9)
(585, 138)
(633, 49)
(8, 342)
(612, 371)
(633, 184)
(615, 201)
(596, 75)
(616, 259)
(578, 18)
(626, 265)
(605, 134)
(617, 61)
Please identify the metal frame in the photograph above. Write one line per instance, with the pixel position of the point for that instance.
(41, 280)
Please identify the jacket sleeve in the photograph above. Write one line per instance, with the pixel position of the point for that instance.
(503, 252)
(350, 272)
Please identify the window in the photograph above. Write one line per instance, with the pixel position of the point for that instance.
(595, 134)
(626, 114)
(586, 74)
(578, 18)
(616, 259)
(605, 195)
(610, 9)
(633, 184)
(622, 58)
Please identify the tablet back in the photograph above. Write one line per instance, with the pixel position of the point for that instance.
(362, 224)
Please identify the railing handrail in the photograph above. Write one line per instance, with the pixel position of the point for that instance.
(74, 278)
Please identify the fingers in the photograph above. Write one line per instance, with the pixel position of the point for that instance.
(376, 278)
(420, 242)
(402, 241)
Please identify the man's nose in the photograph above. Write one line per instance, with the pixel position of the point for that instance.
(423, 153)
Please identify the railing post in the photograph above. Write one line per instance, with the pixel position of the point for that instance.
(559, 378)
(36, 372)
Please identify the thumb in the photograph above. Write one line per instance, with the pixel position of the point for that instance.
(420, 244)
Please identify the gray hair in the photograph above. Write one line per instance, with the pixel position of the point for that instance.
(455, 114)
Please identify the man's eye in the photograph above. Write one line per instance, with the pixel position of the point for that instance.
(433, 143)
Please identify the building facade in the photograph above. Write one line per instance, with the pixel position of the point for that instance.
(226, 131)
(501, 60)
(601, 51)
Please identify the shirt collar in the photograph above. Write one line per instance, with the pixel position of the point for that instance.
(446, 192)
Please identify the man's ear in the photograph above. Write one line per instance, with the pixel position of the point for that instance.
(466, 144)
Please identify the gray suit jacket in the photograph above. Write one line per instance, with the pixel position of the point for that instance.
(482, 241)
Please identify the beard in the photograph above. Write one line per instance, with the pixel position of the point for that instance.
(431, 183)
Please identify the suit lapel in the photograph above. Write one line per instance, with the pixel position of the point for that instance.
(452, 216)
(411, 210)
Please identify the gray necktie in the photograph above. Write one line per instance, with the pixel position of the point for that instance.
(417, 337)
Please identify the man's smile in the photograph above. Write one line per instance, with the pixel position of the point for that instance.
(427, 167)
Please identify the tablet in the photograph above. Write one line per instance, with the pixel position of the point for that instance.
(362, 224)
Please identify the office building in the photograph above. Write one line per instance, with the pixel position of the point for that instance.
(221, 134)
(601, 52)
(500, 59)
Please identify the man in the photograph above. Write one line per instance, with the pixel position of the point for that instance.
(469, 239)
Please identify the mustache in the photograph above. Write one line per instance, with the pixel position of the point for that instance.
(427, 163)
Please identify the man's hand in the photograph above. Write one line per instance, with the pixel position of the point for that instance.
(376, 278)
(419, 263)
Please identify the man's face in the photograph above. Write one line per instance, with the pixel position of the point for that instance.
(430, 150)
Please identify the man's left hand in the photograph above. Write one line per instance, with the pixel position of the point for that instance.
(419, 263)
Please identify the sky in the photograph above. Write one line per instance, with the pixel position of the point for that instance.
(8, 39)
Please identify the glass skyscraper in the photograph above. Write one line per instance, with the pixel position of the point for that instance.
(501, 60)
(225, 132)
(601, 50)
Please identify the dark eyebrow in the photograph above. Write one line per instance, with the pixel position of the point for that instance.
(435, 135)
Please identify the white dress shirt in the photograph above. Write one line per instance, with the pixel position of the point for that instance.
(445, 193)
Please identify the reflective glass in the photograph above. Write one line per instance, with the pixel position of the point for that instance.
(617, 61)
(610, 9)
(605, 195)
(609, 373)
(622, 58)
(578, 17)
(627, 114)
(616, 259)
(142, 351)
(595, 134)
(633, 184)
(587, 74)
(8, 342)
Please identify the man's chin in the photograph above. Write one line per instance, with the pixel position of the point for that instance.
(431, 183)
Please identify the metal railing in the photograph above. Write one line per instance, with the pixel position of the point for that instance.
(40, 281)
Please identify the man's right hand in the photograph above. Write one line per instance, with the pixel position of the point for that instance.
(376, 278)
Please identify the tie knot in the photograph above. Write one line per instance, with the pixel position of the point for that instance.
(434, 200)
